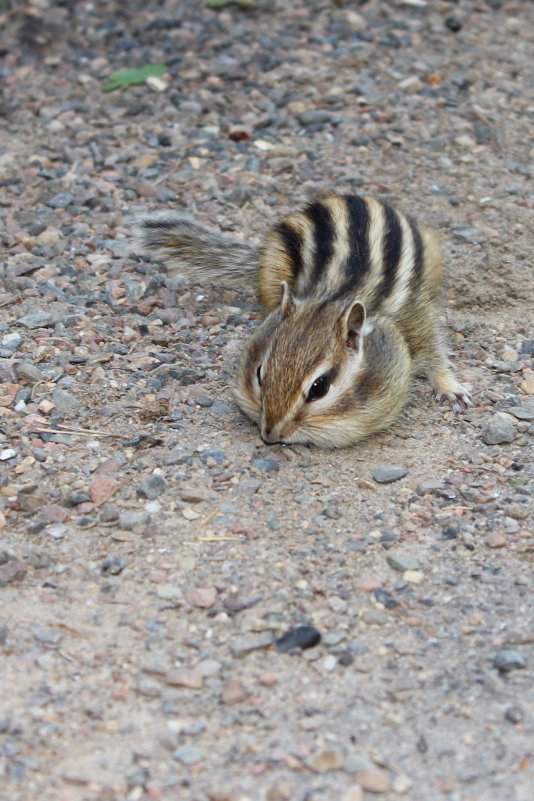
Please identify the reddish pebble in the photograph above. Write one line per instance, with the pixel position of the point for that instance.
(102, 488)
(374, 780)
(203, 597)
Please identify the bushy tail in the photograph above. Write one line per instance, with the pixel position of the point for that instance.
(201, 254)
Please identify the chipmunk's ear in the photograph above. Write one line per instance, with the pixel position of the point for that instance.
(352, 324)
(287, 304)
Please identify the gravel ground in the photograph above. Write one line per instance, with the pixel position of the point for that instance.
(152, 550)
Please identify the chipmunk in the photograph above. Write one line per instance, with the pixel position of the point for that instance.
(350, 286)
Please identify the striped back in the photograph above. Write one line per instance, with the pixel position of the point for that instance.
(342, 243)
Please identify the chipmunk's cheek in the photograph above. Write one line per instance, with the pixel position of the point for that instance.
(248, 401)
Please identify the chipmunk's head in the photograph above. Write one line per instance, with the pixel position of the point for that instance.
(317, 372)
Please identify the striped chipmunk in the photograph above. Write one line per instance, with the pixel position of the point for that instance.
(351, 287)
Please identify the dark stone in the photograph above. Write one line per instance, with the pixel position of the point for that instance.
(152, 487)
(514, 714)
(301, 637)
(219, 456)
(60, 201)
(385, 598)
(483, 133)
(112, 566)
(186, 377)
(507, 660)
(453, 23)
(204, 401)
(76, 498)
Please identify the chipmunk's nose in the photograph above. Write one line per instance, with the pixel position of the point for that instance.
(269, 435)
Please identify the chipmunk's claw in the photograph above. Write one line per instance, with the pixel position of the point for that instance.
(459, 398)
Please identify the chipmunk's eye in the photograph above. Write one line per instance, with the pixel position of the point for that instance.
(319, 388)
(258, 374)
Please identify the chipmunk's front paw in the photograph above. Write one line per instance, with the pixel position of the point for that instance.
(459, 398)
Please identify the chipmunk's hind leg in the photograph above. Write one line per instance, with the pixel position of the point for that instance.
(430, 358)
(440, 371)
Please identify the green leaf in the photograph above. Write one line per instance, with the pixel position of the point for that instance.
(133, 77)
(216, 4)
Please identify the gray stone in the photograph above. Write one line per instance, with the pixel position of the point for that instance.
(188, 754)
(8, 453)
(149, 688)
(28, 373)
(11, 341)
(112, 566)
(430, 486)
(315, 117)
(40, 319)
(65, 401)
(499, 431)
(169, 592)
(386, 474)
(483, 133)
(50, 637)
(332, 512)
(152, 487)
(523, 412)
(473, 235)
(249, 486)
(507, 660)
(266, 465)
(178, 455)
(355, 763)
(401, 561)
(60, 201)
(251, 642)
(128, 520)
(514, 714)
(204, 401)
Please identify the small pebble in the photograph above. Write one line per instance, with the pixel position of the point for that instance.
(388, 474)
(60, 201)
(325, 761)
(39, 319)
(301, 637)
(315, 117)
(201, 597)
(184, 677)
(7, 453)
(129, 520)
(47, 636)
(514, 714)
(234, 692)
(508, 660)
(374, 780)
(188, 755)
(402, 561)
(247, 643)
(499, 431)
(453, 23)
(265, 465)
(112, 566)
(152, 487)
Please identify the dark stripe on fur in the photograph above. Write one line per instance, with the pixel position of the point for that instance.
(418, 259)
(391, 248)
(293, 243)
(358, 261)
(324, 234)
